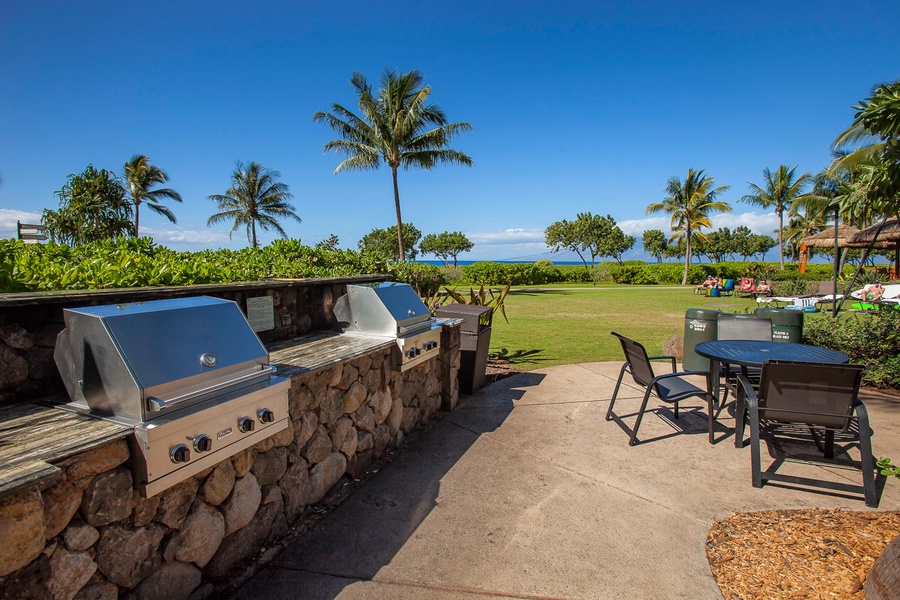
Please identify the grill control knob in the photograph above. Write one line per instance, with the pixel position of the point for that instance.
(266, 416)
(411, 353)
(180, 454)
(418, 351)
(246, 424)
(202, 443)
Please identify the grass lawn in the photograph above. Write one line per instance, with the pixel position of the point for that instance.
(550, 327)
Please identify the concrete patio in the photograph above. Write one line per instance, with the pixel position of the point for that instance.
(525, 491)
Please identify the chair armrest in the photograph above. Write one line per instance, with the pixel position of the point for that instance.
(663, 357)
(749, 390)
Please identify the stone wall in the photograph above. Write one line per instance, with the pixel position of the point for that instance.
(91, 536)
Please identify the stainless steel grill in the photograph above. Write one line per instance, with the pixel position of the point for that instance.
(189, 375)
(391, 310)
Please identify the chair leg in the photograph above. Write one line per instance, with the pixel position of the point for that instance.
(676, 409)
(712, 419)
(754, 444)
(609, 411)
(633, 441)
(740, 419)
(865, 450)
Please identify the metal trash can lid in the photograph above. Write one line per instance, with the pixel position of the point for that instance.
(780, 316)
(704, 314)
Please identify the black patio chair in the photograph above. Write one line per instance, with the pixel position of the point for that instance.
(669, 387)
(740, 327)
(819, 395)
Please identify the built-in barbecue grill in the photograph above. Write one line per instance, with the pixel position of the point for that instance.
(391, 310)
(189, 374)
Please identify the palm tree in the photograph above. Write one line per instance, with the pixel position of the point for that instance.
(140, 176)
(255, 196)
(779, 190)
(393, 128)
(690, 204)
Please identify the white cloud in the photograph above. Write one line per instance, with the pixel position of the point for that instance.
(765, 224)
(203, 238)
(8, 220)
(508, 236)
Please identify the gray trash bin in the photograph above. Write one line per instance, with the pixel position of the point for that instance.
(699, 326)
(787, 325)
(475, 339)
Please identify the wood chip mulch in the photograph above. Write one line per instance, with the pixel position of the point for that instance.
(798, 553)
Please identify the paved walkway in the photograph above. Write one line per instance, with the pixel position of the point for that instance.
(525, 491)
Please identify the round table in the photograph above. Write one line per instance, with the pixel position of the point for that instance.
(753, 353)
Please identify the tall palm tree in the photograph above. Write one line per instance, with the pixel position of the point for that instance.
(690, 203)
(140, 176)
(393, 128)
(779, 190)
(255, 197)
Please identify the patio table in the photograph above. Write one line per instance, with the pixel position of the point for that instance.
(753, 353)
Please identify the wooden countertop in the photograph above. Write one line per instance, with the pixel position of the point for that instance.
(321, 350)
(33, 436)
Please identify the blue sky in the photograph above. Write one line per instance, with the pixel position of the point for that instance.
(576, 106)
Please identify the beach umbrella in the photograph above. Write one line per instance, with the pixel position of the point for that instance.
(888, 237)
(827, 239)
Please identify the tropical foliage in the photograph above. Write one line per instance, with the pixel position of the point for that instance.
(655, 243)
(92, 207)
(690, 203)
(138, 262)
(255, 197)
(384, 242)
(780, 190)
(393, 128)
(140, 178)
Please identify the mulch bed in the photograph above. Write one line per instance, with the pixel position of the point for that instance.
(798, 553)
(498, 369)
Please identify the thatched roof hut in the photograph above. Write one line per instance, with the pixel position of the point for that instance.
(825, 239)
(889, 233)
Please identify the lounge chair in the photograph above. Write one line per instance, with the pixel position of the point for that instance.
(727, 288)
(746, 288)
(816, 395)
(670, 387)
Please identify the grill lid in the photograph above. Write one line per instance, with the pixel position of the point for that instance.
(115, 358)
(387, 309)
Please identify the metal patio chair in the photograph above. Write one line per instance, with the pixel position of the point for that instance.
(823, 397)
(669, 387)
(740, 327)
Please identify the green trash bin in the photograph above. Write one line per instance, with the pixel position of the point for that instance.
(699, 326)
(787, 325)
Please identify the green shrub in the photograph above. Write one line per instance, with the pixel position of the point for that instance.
(601, 272)
(872, 340)
(426, 279)
(633, 274)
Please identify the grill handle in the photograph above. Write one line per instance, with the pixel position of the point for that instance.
(158, 404)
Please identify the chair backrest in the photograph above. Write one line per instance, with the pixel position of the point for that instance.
(636, 356)
(819, 394)
(826, 288)
(728, 285)
(746, 283)
(743, 327)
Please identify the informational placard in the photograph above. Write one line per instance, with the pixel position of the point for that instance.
(261, 313)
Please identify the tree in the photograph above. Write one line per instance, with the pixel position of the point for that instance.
(761, 244)
(719, 244)
(588, 233)
(779, 191)
(92, 207)
(255, 197)
(741, 238)
(393, 128)
(876, 132)
(446, 245)
(330, 243)
(384, 242)
(690, 203)
(140, 176)
(655, 243)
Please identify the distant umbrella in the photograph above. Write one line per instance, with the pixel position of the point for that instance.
(888, 237)
(825, 239)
